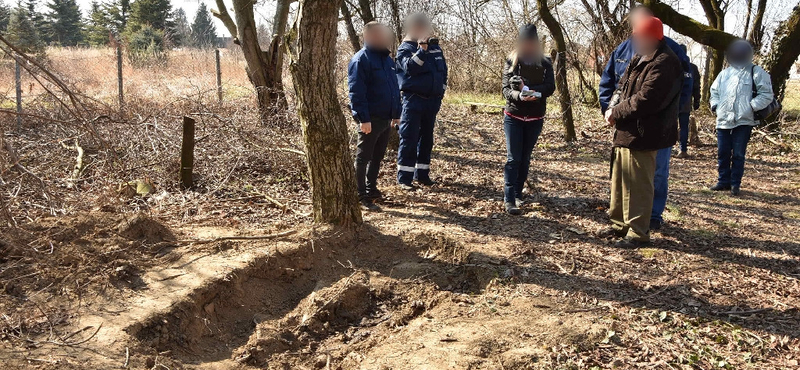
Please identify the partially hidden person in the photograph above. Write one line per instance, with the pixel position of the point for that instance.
(375, 105)
(422, 75)
(609, 82)
(528, 81)
(736, 94)
(644, 114)
(684, 117)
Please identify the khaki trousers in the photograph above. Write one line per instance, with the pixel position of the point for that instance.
(632, 192)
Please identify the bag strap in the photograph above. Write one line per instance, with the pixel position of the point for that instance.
(753, 80)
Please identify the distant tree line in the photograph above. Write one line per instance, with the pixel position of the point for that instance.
(150, 25)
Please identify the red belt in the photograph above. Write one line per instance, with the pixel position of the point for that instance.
(524, 119)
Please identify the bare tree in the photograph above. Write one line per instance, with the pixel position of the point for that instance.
(312, 53)
(560, 69)
(263, 67)
(757, 29)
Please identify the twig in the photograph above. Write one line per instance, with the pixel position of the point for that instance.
(127, 357)
(244, 237)
(748, 312)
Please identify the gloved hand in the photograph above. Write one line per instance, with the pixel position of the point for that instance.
(516, 83)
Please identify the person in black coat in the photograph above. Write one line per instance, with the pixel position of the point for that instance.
(528, 81)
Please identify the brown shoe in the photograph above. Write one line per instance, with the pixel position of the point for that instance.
(682, 155)
(609, 233)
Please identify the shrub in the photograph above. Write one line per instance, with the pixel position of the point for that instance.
(146, 47)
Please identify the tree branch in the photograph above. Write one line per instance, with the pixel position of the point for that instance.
(687, 26)
(223, 15)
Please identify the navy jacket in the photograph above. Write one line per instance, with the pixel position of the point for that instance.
(373, 85)
(421, 72)
(619, 60)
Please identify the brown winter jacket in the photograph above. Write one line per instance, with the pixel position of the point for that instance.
(647, 113)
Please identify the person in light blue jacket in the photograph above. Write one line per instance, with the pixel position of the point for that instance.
(736, 94)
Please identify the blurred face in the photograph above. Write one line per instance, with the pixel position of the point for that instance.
(644, 44)
(637, 15)
(420, 30)
(377, 37)
(529, 51)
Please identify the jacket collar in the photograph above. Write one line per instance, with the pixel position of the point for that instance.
(647, 58)
(376, 50)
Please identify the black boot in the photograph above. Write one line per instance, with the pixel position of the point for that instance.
(368, 205)
(512, 209)
(426, 181)
(735, 190)
(720, 187)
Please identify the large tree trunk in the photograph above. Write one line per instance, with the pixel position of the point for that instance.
(312, 50)
(560, 69)
(779, 65)
(757, 30)
(263, 67)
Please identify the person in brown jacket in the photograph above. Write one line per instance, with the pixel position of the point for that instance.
(644, 113)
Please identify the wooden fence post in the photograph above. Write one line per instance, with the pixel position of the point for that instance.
(187, 152)
(119, 79)
(219, 76)
(18, 87)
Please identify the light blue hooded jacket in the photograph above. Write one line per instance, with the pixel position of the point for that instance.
(732, 95)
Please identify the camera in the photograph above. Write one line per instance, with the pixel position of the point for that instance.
(431, 41)
(529, 93)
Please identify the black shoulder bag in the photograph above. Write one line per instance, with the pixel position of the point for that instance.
(771, 109)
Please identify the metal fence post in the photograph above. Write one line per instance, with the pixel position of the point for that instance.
(18, 86)
(219, 76)
(119, 78)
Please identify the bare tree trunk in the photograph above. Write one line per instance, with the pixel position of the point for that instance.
(757, 30)
(398, 24)
(263, 67)
(312, 52)
(785, 51)
(747, 18)
(355, 42)
(560, 69)
(365, 9)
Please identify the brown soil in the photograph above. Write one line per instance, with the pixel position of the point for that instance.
(441, 279)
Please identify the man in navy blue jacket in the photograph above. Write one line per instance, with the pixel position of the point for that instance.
(422, 75)
(617, 63)
(375, 104)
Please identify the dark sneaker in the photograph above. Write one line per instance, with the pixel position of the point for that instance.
(720, 187)
(369, 206)
(426, 181)
(628, 243)
(519, 202)
(610, 232)
(656, 224)
(682, 155)
(406, 187)
(735, 190)
(374, 194)
(512, 209)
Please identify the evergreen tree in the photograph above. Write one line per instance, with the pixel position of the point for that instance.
(204, 32)
(22, 33)
(37, 20)
(98, 25)
(5, 16)
(117, 14)
(64, 21)
(155, 13)
(181, 34)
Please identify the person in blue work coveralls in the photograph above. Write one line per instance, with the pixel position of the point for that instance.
(617, 63)
(375, 104)
(422, 75)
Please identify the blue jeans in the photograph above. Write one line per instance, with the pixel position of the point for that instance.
(731, 149)
(661, 183)
(416, 138)
(683, 119)
(521, 137)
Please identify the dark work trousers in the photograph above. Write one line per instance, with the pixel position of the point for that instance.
(416, 138)
(731, 150)
(521, 137)
(683, 119)
(369, 154)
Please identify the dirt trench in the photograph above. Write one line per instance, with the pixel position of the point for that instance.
(314, 303)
